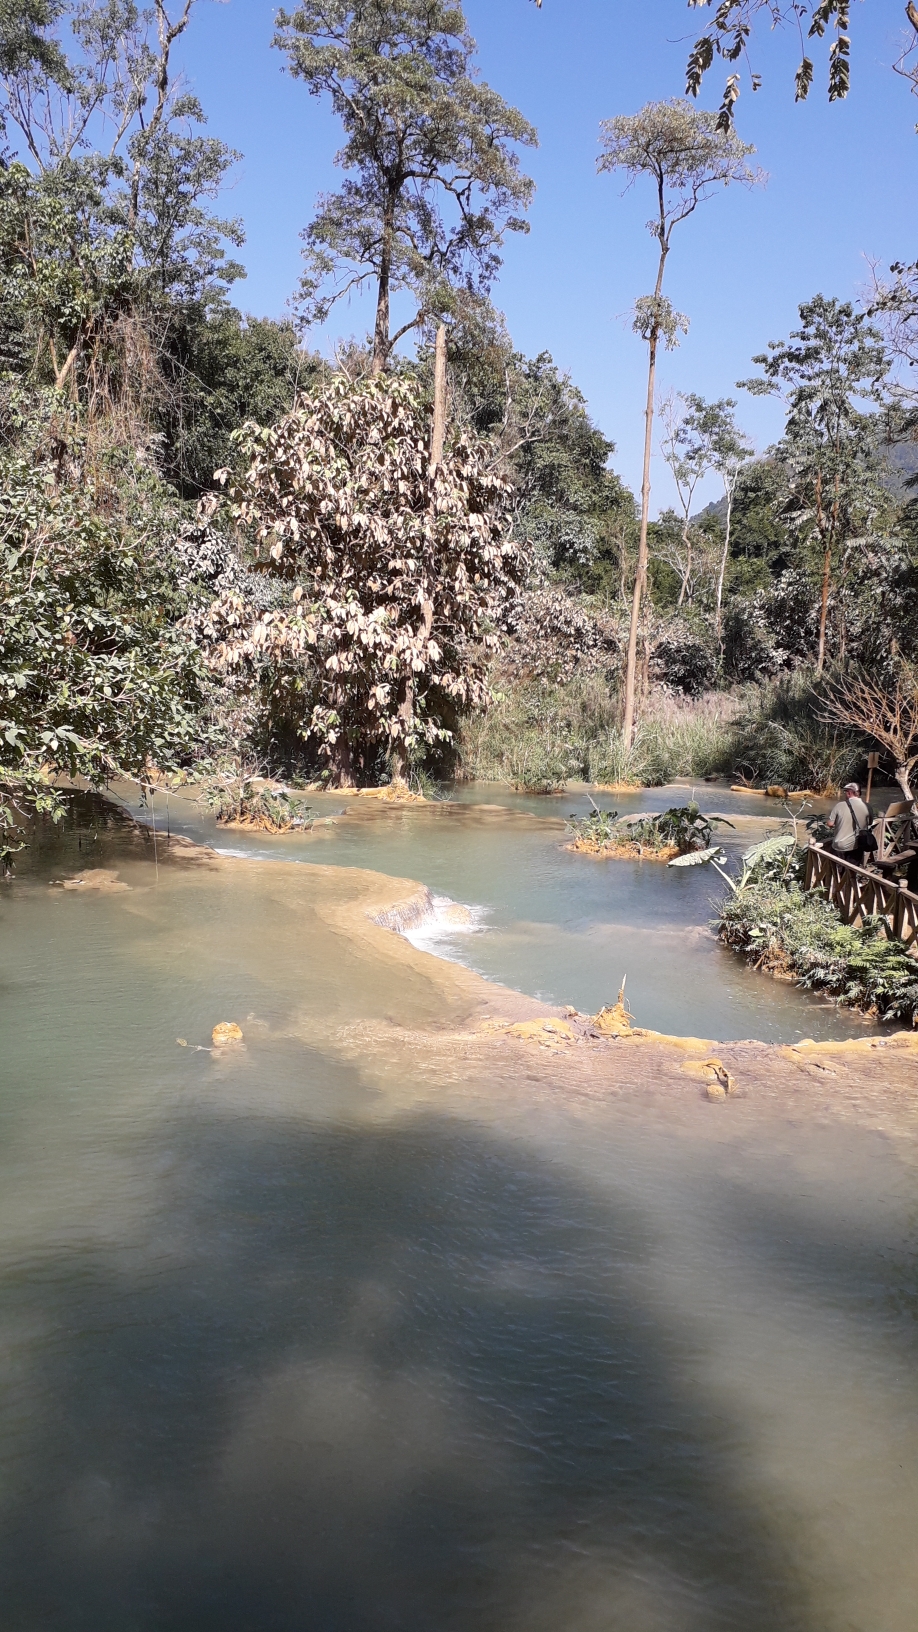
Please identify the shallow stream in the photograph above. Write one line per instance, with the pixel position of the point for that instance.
(341, 1332)
(561, 926)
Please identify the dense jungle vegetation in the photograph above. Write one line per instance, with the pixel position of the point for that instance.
(221, 550)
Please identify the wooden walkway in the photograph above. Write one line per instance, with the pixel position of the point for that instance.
(859, 893)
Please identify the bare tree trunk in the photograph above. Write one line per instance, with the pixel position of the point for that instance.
(438, 433)
(645, 670)
(718, 615)
(381, 330)
(824, 608)
(903, 777)
(437, 439)
(687, 541)
(61, 374)
(168, 32)
(342, 763)
(628, 720)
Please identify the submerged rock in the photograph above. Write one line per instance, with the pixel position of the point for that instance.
(103, 879)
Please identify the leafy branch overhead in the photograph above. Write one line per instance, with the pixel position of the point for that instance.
(729, 33)
(434, 180)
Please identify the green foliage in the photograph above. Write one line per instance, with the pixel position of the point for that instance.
(225, 370)
(245, 801)
(569, 506)
(65, 273)
(701, 437)
(683, 828)
(538, 734)
(599, 828)
(775, 860)
(832, 366)
(760, 545)
(97, 677)
(434, 182)
(105, 219)
(786, 930)
(24, 42)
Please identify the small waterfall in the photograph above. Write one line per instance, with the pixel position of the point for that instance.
(409, 914)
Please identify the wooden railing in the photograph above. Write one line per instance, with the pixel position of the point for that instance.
(896, 836)
(859, 894)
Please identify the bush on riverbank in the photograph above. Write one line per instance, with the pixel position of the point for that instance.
(785, 930)
(99, 676)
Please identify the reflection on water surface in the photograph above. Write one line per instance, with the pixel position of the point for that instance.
(325, 1335)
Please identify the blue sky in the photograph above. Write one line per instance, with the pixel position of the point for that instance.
(842, 189)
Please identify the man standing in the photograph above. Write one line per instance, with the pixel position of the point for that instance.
(849, 819)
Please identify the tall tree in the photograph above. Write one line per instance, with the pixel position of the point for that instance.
(713, 428)
(686, 452)
(434, 180)
(895, 308)
(833, 363)
(685, 156)
(104, 219)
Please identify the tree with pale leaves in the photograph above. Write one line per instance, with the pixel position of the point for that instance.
(388, 574)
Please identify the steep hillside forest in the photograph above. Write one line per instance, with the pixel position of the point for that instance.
(410, 557)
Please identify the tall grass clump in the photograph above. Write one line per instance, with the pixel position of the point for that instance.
(538, 734)
(681, 737)
(780, 739)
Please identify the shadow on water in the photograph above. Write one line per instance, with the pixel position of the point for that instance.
(403, 1378)
(283, 1352)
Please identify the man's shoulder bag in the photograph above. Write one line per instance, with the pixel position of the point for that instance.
(865, 840)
